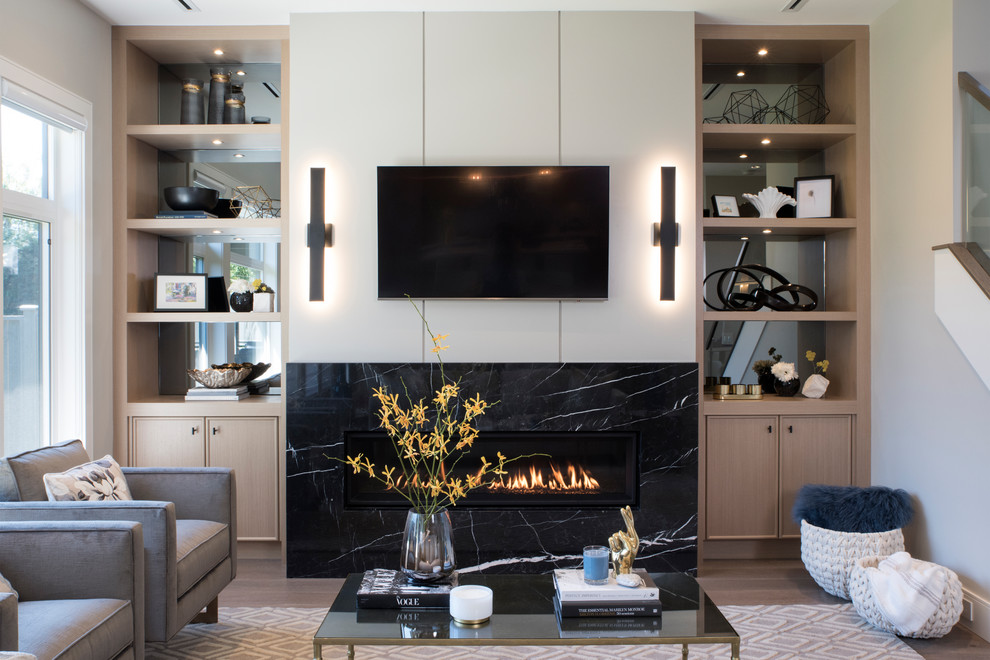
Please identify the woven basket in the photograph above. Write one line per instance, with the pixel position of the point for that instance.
(829, 556)
(865, 602)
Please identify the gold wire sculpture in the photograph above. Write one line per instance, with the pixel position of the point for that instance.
(255, 202)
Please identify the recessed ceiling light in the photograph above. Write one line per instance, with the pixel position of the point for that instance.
(238, 238)
(767, 231)
(761, 52)
(754, 167)
(241, 73)
(217, 231)
(238, 155)
(218, 141)
(744, 155)
(218, 52)
(744, 238)
(765, 141)
(740, 74)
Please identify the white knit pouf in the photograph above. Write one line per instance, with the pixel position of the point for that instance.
(865, 602)
(829, 556)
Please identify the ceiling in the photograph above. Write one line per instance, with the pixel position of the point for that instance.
(276, 12)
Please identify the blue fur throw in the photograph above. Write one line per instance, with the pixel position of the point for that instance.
(853, 509)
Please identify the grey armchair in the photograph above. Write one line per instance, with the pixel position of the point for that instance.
(80, 590)
(188, 516)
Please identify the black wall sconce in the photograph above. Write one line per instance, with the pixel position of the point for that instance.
(666, 232)
(319, 235)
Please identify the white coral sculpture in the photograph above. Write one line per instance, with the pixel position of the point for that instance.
(769, 200)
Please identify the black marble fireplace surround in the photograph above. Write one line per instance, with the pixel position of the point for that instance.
(658, 403)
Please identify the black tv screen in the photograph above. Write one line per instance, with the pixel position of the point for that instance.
(493, 232)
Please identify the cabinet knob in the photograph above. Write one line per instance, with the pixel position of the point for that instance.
(790, 429)
(770, 429)
(214, 430)
(194, 430)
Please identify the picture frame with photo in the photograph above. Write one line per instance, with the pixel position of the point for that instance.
(815, 196)
(725, 206)
(181, 292)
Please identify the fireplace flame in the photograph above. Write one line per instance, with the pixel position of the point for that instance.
(571, 478)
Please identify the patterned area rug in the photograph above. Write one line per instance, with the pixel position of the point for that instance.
(769, 632)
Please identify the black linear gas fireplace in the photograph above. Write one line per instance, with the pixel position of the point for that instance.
(574, 469)
(602, 436)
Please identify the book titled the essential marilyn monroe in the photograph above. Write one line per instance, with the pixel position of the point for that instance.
(387, 589)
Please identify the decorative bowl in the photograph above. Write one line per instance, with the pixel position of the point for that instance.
(190, 198)
(227, 208)
(256, 369)
(214, 378)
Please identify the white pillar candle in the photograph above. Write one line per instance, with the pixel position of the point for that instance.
(471, 603)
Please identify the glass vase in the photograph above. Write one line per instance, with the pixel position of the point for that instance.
(427, 553)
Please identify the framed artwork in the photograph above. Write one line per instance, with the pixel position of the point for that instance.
(814, 196)
(180, 292)
(725, 206)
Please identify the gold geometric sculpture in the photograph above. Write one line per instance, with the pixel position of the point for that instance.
(624, 545)
(255, 202)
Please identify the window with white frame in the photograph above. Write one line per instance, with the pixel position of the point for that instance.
(42, 133)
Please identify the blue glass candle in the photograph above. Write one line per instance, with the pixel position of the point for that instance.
(595, 564)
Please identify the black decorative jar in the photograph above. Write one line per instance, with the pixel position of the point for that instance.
(767, 382)
(242, 302)
(786, 388)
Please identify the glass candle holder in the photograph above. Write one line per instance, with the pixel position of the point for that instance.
(595, 564)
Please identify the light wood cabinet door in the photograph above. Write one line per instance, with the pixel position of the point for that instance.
(250, 447)
(167, 442)
(813, 450)
(741, 477)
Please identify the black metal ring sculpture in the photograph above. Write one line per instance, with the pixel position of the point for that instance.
(761, 296)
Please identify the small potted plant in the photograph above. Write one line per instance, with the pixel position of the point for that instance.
(264, 297)
(817, 383)
(241, 296)
(763, 373)
(786, 381)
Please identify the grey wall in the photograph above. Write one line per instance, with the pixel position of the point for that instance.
(929, 407)
(492, 88)
(69, 45)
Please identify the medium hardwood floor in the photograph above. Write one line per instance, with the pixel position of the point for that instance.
(262, 583)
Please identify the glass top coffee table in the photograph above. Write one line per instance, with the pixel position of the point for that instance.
(524, 616)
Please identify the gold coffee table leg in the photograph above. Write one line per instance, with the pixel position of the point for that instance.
(735, 650)
(317, 651)
(684, 651)
(350, 652)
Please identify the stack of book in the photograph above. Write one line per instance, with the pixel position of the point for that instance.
(576, 598)
(382, 588)
(217, 393)
(178, 215)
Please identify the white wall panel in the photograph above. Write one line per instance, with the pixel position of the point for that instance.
(357, 102)
(491, 88)
(491, 99)
(627, 98)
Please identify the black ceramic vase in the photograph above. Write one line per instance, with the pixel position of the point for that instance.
(219, 79)
(242, 302)
(767, 381)
(233, 110)
(191, 110)
(787, 388)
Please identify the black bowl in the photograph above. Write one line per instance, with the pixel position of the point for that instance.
(227, 208)
(191, 198)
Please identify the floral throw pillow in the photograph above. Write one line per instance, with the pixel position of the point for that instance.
(97, 480)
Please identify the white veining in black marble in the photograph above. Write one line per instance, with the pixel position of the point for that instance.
(657, 401)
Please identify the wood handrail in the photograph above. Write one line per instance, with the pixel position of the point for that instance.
(975, 89)
(973, 258)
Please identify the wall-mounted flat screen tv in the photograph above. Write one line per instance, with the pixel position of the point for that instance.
(493, 232)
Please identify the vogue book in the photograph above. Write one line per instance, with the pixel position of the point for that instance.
(387, 589)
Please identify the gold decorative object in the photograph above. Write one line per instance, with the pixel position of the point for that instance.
(624, 545)
(214, 378)
(255, 202)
